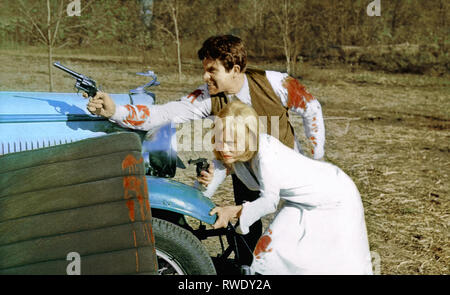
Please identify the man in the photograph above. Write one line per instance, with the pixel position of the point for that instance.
(226, 77)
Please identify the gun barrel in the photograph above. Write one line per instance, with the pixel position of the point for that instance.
(199, 160)
(61, 67)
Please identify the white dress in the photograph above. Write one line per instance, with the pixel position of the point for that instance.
(320, 228)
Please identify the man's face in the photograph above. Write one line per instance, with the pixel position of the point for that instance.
(218, 79)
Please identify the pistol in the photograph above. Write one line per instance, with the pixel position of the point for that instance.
(82, 83)
(202, 165)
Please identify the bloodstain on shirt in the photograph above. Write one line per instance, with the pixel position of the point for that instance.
(136, 114)
(262, 245)
(195, 94)
(298, 97)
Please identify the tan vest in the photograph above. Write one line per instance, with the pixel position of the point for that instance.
(265, 102)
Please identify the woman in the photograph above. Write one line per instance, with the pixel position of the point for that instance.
(320, 228)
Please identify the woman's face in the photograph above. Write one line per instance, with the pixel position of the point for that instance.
(226, 146)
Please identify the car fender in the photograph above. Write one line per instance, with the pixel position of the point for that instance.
(174, 196)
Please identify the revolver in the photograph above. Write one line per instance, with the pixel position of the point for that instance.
(202, 165)
(83, 82)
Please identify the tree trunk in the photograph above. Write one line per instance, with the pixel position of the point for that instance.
(288, 60)
(177, 39)
(49, 46)
(263, 43)
(394, 20)
(286, 36)
(443, 13)
(50, 68)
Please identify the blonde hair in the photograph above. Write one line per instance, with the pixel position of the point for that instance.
(244, 124)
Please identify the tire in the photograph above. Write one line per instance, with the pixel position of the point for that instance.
(179, 251)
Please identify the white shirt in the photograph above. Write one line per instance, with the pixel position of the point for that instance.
(197, 105)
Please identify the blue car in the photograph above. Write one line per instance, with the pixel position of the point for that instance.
(33, 120)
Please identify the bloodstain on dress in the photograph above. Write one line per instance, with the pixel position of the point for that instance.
(262, 245)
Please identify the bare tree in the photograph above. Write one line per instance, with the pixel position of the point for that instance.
(395, 17)
(174, 9)
(46, 20)
(47, 32)
(288, 17)
(171, 9)
(256, 14)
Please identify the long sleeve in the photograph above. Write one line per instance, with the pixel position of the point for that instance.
(220, 173)
(269, 191)
(294, 96)
(196, 105)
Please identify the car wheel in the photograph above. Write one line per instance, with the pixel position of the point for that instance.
(179, 252)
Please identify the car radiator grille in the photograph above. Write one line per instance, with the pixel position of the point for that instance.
(20, 146)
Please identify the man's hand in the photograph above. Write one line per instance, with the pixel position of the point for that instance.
(225, 214)
(207, 176)
(101, 104)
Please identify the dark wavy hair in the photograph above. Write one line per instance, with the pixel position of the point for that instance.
(229, 49)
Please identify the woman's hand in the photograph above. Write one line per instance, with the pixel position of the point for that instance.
(225, 214)
(207, 176)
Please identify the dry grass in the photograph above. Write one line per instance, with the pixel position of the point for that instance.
(389, 132)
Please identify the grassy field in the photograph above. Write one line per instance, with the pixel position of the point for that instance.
(389, 132)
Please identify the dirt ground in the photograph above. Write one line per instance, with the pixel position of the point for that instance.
(389, 132)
